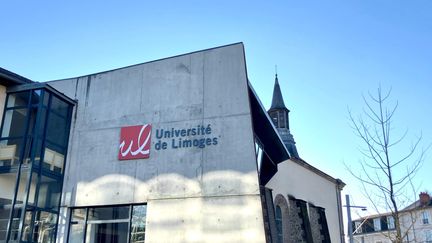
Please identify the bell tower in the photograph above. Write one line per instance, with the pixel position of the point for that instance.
(280, 118)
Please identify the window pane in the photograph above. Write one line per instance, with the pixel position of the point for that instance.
(27, 225)
(32, 191)
(9, 152)
(78, 215)
(23, 181)
(46, 98)
(76, 234)
(7, 188)
(49, 193)
(44, 229)
(53, 158)
(108, 213)
(59, 106)
(138, 224)
(36, 96)
(14, 123)
(377, 224)
(18, 99)
(107, 233)
(56, 129)
(15, 223)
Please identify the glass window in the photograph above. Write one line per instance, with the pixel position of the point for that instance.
(77, 225)
(45, 227)
(53, 158)
(14, 123)
(36, 96)
(377, 224)
(108, 213)
(425, 217)
(18, 99)
(138, 224)
(40, 187)
(10, 152)
(114, 232)
(57, 129)
(108, 224)
(358, 228)
(59, 107)
(278, 219)
(49, 193)
(390, 222)
(27, 225)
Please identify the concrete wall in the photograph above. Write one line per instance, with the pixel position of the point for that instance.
(295, 180)
(194, 194)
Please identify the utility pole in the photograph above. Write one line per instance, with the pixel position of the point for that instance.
(348, 207)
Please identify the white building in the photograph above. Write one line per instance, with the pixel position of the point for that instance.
(416, 224)
(174, 150)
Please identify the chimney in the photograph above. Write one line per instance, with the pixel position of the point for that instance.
(424, 198)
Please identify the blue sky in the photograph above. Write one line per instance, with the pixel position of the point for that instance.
(328, 54)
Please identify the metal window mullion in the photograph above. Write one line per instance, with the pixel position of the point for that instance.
(68, 120)
(108, 221)
(85, 225)
(4, 113)
(18, 175)
(39, 170)
(130, 223)
(32, 155)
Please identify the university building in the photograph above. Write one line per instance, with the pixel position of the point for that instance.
(174, 150)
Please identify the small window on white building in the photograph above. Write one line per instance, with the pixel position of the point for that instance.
(425, 217)
(390, 222)
(377, 224)
(278, 219)
(358, 228)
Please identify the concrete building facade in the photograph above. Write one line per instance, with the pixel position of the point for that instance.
(174, 150)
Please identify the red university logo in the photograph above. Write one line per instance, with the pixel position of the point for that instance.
(135, 142)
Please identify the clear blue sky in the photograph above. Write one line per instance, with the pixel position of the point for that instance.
(328, 54)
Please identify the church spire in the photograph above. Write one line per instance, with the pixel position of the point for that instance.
(277, 101)
(279, 115)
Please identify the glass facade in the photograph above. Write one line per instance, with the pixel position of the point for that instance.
(33, 145)
(117, 224)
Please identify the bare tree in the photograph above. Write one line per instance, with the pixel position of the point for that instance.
(387, 166)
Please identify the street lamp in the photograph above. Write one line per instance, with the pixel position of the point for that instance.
(349, 206)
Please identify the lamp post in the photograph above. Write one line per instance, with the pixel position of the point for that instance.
(349, 206)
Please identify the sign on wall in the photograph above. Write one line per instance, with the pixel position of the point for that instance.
(135, 142)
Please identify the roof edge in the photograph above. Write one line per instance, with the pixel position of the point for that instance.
(156, 60)
(12, 78)
(319, 172)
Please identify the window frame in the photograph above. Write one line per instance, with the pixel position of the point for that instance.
(425, 217)
(377, 224)
(87, 222)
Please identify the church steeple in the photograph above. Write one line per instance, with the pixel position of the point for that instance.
(277, 101)
(279, 115)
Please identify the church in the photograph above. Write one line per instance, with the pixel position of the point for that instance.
(179, 149)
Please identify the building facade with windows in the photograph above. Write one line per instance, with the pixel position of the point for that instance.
(416, 224)
(174, 150)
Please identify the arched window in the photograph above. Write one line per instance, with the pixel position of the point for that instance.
(278, 219)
